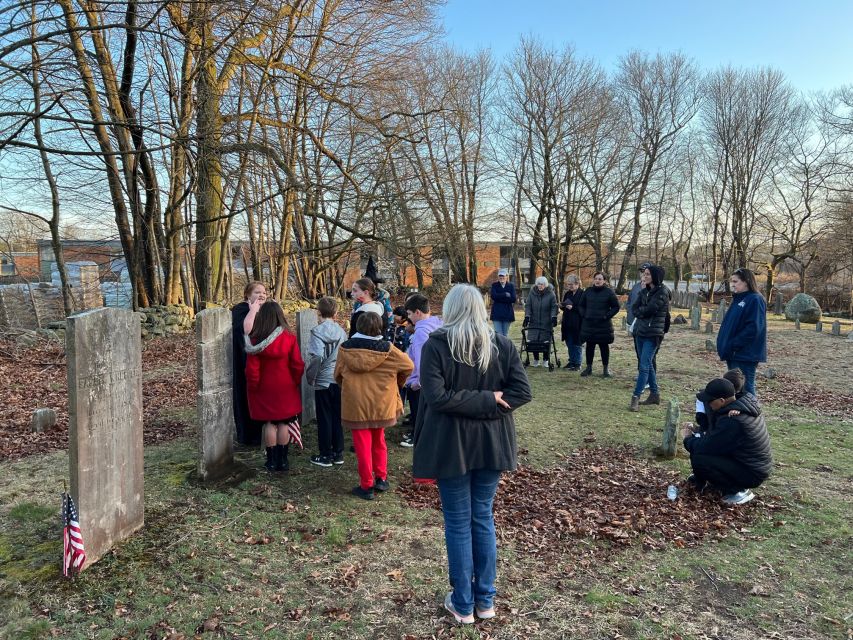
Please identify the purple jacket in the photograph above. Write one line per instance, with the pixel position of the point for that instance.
(422, 331)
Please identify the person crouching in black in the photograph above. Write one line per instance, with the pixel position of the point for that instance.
(733, 455)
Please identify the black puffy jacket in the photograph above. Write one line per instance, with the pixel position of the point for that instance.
(597, 306)
(650, 309)
(743, 437)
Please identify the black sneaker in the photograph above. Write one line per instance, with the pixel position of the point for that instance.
(381, 485)
(321, 461)
(408, 441)
(364, 494)
(338, 458)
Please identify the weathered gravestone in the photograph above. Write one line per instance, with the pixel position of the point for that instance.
(42, 419)
(818, 326)
(104, 354)
(710, 346)
(777, 309)
(709, 327)
(722, 310)
(305, 321)
(695, 318)
(803, 307)
(836, 328)
(215, 402)
(624, 322)
(797, 323)
(670, 430)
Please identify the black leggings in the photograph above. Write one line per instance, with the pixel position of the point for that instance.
(590, 352)
(726, 474)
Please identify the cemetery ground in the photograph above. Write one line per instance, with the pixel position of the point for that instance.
(589, 546)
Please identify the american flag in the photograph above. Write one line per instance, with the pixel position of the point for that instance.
(294, 432)
(74, 555)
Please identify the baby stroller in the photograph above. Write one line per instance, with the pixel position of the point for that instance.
(545, 347)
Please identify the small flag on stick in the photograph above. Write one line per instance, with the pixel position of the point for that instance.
(73, 553)
(294, 432)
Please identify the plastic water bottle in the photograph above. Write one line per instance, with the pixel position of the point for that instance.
(672, 492)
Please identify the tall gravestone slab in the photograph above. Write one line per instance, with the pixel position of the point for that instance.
(836, 328)
(695, 318)
(778, 306)
(818, 326)
(721, 311)
(305, 321)
(104, 352)
(215, 399)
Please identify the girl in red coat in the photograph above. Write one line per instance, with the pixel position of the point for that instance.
(274, 369)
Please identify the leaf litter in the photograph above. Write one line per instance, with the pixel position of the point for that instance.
(601, 498)
(36, 377)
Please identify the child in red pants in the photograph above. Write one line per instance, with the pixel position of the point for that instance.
(370, 372)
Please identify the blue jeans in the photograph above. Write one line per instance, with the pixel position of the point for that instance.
(646, 350)
(469, 533)
(502, 326)
(748, 369)
(575, 351)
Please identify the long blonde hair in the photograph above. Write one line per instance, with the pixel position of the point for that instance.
(469, 333)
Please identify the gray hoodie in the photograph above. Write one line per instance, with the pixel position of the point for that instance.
(326, 337)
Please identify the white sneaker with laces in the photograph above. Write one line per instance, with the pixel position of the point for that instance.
(739, 498)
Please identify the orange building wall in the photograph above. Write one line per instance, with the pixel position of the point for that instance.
(27, 266)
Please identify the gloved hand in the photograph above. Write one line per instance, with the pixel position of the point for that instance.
(553, 322)
(526, 321)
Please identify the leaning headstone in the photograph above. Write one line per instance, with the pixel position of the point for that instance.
(305, 321)
(803, 307)
(836, 328)
(818, 326)
(777, 308)
(709, 327)
(42, 419)
(214, 398)
(670, 430)
(104, 353)
(695, 318)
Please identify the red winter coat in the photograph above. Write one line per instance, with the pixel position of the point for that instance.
(274, 369)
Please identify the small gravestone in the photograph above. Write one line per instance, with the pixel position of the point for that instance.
(836, 328)
(670, 430)
(818, 326)
(104, 353)
(770, 373)
(709, 327)
(214, 399)
(777, 309)
(714, 316)
(710, 346)
(695, 318)
(797, 324)
(803, 307)
(679, 319)
(42, 419)
(305, 321)
(722, 310)
(624, 322)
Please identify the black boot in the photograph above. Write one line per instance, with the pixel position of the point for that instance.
(270, 463)
(586, 372)
(281, 463)
(606, 373)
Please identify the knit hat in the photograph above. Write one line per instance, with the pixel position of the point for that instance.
(716, 389)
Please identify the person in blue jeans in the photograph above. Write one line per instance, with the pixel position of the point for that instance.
(570, 329)
(742, 339)
(471, 382)
(649, 311)
(503, 298)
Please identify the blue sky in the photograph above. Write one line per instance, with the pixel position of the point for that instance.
(811, 41)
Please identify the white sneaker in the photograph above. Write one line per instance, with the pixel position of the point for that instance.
(448, 604)
(739, 498)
